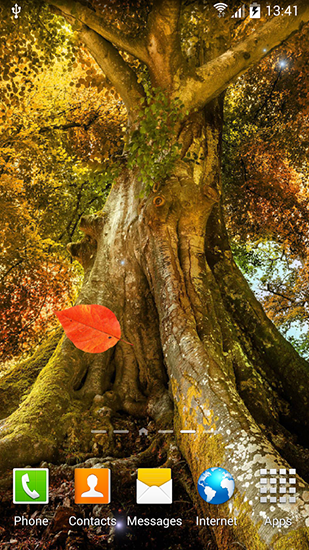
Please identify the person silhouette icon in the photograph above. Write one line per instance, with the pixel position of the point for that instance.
(92, 485)
(92, 482)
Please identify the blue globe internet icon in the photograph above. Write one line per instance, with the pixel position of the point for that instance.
(216, 485)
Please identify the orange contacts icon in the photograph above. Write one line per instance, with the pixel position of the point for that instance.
(92, 485)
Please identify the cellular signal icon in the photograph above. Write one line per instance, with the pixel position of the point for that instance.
(240, 14)
(220, 7)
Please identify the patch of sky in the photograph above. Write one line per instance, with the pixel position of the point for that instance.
(266, 267)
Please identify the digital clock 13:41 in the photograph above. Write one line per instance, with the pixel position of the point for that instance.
(278, 10)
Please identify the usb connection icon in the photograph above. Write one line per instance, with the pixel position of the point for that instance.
(16, 11)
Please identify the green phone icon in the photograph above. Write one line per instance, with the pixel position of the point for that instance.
(30, 485)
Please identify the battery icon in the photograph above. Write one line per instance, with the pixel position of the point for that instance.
(255, 10)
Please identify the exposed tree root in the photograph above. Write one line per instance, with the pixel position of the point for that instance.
(182, 321)
(33, 431)
(16, 384)
(126, 467)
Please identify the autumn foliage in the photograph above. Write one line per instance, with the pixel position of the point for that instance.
(61, 133)
(60, 124)
(266, 180)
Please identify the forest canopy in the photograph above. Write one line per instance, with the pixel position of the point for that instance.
(61, 124)
(62, 134)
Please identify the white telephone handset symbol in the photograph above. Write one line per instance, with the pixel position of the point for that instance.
(32, 494)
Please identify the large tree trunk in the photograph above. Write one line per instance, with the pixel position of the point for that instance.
(204, 354)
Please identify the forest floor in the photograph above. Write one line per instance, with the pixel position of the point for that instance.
(59, 535)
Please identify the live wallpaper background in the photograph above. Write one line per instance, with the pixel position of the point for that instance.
(153, 160)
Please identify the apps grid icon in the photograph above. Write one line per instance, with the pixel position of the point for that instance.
(278, 486)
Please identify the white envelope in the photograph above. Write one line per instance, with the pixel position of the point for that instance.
(154, 494)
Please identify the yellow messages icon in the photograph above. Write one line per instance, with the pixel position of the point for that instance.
(154, 486)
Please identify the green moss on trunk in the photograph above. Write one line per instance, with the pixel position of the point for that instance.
(16, 384)
(295, 540)
(32, 433)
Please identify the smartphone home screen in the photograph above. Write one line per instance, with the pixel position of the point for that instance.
(153, 275)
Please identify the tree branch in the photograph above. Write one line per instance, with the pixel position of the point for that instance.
(70, 125)
(169, 12)
(214, 77)
(164, 56)
(114, 67)
(269, 289)
(97, 23)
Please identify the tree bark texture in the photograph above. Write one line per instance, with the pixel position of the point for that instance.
(204, 354)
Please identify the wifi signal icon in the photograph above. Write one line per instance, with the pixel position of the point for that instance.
(220, 7)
